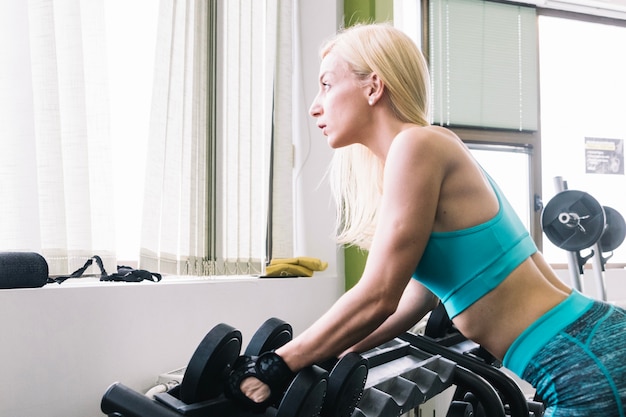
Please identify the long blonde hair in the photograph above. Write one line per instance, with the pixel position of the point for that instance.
(355, 173)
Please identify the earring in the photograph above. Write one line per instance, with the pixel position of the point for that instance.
(371, 101)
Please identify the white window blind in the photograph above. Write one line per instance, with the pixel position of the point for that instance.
(483, 63)
(221, 105)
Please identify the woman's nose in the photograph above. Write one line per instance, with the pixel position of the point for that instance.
(315, 110)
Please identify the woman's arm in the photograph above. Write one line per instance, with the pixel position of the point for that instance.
(415, 303)
(415, 167)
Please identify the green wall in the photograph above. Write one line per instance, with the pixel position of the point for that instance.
(362, 11)
(356, 11)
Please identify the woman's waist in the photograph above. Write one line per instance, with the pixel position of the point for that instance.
(496, 320)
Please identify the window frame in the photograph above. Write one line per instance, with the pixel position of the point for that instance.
(529, 139)
(493, 136)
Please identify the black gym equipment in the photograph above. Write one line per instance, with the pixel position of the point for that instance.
(573, 220)
(210, 364)
(272, 334)
(615, 230)
(403, 376)
(346, 381)
(201, 392)
(387, 381)
(442, 338)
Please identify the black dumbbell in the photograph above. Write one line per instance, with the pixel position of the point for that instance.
(202, 389)
(214, 357)
(330, 389)
(346, 381)
(271, 335)
(212, 362)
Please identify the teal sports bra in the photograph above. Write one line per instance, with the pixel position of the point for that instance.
(462, 266)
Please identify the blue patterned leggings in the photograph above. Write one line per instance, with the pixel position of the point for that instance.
(581, 370)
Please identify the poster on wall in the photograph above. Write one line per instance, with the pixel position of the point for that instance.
(604, 156)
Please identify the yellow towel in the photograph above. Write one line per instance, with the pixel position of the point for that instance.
(302, 266)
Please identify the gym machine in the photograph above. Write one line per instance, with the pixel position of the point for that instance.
(440, 337)
(389, 380)
(573, 220)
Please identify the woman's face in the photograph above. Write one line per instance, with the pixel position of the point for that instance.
(340, 106)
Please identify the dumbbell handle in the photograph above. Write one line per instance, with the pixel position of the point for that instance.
(120, 399)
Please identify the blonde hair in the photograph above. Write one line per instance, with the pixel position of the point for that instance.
(356, 174)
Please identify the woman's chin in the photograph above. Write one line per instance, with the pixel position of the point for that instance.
(335, 144)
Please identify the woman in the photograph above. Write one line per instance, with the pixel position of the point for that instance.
(438, 228)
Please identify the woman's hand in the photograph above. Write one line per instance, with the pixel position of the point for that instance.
(258, 382)
(254, 389)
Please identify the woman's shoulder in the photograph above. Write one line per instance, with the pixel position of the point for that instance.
(428, 132)
(434, 140)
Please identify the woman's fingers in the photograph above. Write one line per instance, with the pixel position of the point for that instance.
(254, 389)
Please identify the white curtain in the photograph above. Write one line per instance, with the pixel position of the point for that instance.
(207, 188)
(55, 149)
(175, 195)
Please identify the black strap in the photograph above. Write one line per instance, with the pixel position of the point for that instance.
(124, 273)
(128, 274)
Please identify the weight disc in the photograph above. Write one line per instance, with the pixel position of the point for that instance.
(305, 395)
(460, 409)
(210, 364)
(615, 230)
(438, 323)
(270, 336)
(573, 220)
(345, 386)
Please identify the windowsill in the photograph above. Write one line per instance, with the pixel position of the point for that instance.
(589, 266)
(175, 280)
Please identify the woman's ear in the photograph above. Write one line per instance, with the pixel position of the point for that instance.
(375, 89)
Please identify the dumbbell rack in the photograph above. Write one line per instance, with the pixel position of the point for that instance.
(400, 378)
(387, 381)
(403, 376)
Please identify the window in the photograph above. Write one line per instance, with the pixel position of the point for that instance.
(220, 131)
(191, 97)
(500, 161)
(581, 93)
(582, 102)
(483, 61)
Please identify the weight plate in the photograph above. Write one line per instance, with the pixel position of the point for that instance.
(345, 386)
(438, 323)
(270, 336)
(210, 364)
(305, 395)
(615, 230)
(579, 234)
(460, 409)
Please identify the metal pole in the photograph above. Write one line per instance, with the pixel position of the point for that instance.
(598, 269)
(572, 260)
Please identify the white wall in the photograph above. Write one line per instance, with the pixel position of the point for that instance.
(614, 283)
(62, 346)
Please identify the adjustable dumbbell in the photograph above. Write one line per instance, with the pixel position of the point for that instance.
(201, 390)
(202, 387)
(346, 376)
(205, 377)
